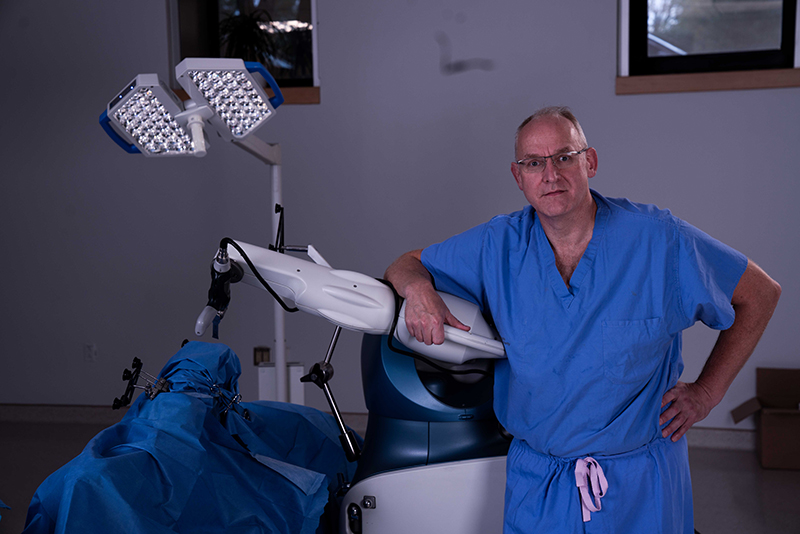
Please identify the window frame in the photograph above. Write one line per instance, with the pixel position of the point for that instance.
(739, 70)
(204, 26)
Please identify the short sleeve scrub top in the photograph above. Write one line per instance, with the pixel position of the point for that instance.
(589, 362)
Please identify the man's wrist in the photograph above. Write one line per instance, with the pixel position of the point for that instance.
(713, 394)
(419, 285)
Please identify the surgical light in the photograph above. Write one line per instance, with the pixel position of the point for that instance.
(147, 117)
(227, 86)
(145, 111)
(228, 94)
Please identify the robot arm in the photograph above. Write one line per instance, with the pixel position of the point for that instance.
(348, 299)
(355, 302)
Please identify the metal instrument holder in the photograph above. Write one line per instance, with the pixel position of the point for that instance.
(154, 385)
(320, 374)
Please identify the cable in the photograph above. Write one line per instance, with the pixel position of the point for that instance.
(228, 241)
(397, 303)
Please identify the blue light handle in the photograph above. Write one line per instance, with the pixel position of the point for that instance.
(254, 66)
(105, 122)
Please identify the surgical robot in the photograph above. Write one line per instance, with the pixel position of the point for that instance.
(434, 454)
(433, 458)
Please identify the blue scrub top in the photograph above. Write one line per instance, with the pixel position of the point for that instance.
(588, 364)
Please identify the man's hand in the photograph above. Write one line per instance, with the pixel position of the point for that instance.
(426, 312)
(426, 315)
(690, 403)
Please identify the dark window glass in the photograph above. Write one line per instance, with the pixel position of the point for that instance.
(676, 36)
(276, 33)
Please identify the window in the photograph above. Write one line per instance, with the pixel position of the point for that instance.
(667, 37)
(280, 34)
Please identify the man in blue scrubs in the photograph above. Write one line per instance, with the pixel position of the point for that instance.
(590, 295)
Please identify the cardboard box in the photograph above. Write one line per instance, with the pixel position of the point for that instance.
(777, 409)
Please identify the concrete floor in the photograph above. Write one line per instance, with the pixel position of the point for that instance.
(732, 494)
(29, 453)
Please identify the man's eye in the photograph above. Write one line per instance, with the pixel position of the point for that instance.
(563, 158)
(534, 163)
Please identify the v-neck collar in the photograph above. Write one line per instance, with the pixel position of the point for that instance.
(548, 257)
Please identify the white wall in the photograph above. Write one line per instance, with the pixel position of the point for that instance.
(107, 248)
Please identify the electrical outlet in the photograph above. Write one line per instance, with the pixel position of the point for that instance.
(89, 352)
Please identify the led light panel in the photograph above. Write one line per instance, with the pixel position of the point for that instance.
(145, 113)
(239, 102)
(233, 96)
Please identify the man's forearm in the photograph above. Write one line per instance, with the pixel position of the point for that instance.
(754, 302)
(407, 271)
(426, 312)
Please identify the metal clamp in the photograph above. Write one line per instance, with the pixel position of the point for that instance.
(152, 389)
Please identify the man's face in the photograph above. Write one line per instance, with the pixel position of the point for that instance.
(554, 193)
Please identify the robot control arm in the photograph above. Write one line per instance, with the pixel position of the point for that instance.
(223, 273)
(348, 299)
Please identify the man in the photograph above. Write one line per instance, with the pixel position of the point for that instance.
(590, 296)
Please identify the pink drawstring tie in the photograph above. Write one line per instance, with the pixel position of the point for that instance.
(588, 472)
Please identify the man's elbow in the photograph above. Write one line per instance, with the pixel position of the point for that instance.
(767, 296)
(769, 290)
(774, 293)
(757, 290)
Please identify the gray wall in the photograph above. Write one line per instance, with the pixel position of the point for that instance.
(107, 248)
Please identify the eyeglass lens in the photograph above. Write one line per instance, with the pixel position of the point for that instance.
(564, 160)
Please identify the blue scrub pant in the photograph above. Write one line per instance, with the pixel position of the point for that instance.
(649, 491)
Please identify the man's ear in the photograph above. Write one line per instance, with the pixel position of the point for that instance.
(591, 160)
(517, 174)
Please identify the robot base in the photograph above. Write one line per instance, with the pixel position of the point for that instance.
(464, 497)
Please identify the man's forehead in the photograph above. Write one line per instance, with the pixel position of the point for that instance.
(552, 134)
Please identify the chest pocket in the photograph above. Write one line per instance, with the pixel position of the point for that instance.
(632, 350)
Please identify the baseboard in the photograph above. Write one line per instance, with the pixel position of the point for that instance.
(721, 438)
(699, 437)
(105, 415)
(53, 413)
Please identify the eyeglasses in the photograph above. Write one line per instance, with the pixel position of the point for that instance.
(536, 165)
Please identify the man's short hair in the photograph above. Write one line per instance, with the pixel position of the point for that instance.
(553, 111)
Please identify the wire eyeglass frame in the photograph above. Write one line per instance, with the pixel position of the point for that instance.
(526, 167)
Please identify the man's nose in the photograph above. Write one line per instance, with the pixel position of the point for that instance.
(549, 174)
